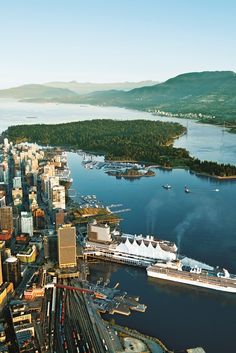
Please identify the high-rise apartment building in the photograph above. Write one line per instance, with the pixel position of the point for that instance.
(11, 270)
(58, 197)
(66, 246)
(39, 218)
(17, 184)
(17, 196)
(27, 223)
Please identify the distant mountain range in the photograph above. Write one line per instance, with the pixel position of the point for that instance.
(34, 91)
(66, 89)
(89, 87)
(210, 95)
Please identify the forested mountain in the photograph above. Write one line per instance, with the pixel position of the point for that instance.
(210, 94)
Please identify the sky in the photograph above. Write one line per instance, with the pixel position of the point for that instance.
(114, 40)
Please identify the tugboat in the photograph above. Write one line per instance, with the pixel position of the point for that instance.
(186, 189)
(167, 186)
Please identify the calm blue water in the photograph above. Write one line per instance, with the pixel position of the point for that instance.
(202, 223)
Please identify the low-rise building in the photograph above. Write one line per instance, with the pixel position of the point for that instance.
(100, 233)
(33, 293)
(28, 254)
(5, 235)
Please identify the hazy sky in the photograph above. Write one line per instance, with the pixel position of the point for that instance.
(114, 40)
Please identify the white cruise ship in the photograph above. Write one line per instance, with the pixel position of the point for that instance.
(175, 271)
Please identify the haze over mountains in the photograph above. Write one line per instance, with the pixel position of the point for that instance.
(210, 93)
(67, 89)
(35, 91)
(89, 87)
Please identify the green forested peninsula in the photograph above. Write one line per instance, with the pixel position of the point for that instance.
(136, 140)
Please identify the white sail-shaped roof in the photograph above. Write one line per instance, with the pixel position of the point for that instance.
(151, 250)
(122, 248)
(142, 250)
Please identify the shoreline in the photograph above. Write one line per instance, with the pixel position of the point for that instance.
(223, 178)
(204, 119)
(158, 166)
(217, 177)
(170, 156)
(130, 176)
(186, 116)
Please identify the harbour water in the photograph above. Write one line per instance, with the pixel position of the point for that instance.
(206, 142)
(202, 223)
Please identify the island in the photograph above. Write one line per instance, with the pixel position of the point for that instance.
(145, 141)
(131, 173)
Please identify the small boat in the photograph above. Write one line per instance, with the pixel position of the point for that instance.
(186, 189)
(167, 186)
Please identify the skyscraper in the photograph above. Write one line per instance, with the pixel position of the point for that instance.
(50, 242)
(6, 218)
(66, 246)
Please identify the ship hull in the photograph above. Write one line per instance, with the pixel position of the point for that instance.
(195, 283)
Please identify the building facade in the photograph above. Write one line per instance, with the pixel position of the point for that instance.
(66, 246)
(27, 223)
(6, 218)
